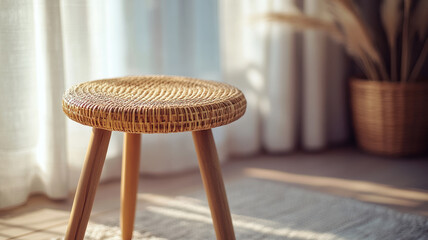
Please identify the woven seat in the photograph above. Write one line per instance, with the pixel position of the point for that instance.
(154, 104)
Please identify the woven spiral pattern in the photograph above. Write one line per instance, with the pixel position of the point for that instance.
(153, 104)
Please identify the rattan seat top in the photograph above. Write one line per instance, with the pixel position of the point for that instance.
(153, 104)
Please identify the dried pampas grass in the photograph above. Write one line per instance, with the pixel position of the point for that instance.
(347, 26)
(420, 28)
(357, 39)
(354, 30)
(391, 16)
(420, 19)
(405, 54)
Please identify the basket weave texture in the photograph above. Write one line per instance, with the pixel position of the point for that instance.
(154, 104)
(390, 118)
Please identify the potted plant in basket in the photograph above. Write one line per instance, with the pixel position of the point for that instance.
(389, 105)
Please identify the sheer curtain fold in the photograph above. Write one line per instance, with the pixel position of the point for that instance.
(314, 79)
(51, 155)
(18, 120)
(32, 151)
(282, 92)
(294, 81)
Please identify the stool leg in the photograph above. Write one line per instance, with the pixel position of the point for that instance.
(130, 173)
(88, 183)
(213, 183)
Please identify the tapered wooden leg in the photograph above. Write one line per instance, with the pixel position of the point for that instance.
(88, 182)
(213, 183)
(130, 173)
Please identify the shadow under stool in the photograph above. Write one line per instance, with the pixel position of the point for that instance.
(150, 104)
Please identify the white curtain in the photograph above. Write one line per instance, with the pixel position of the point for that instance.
(47, 46)
(294, 82)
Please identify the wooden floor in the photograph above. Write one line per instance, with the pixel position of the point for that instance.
(401, 184)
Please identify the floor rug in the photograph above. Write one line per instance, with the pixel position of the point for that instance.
(267, 210)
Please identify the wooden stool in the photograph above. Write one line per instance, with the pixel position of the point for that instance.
(150, 104)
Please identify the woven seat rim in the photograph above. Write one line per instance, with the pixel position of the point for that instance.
(234, 106)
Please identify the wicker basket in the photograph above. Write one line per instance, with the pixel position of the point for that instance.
(390, 118)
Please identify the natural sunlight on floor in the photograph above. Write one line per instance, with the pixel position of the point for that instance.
(366, 191)
(397, 184)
